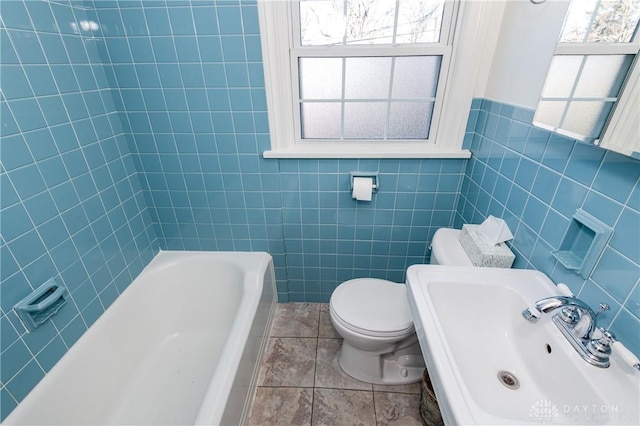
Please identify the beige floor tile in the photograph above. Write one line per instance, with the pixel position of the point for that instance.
(301, 382)
(296, 320)
(410, 388)
(281, 406)
(288, 361)
(328, 371)
(334, 407)
(326, 327)
(397, 409)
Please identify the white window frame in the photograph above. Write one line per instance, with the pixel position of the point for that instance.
(618, 128)
(622, 132)
(448, 127)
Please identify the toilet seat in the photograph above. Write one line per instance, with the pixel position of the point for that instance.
(372, 307)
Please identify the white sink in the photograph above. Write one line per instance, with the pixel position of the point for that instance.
(470, 328)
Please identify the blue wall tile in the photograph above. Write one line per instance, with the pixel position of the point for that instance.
(156, 140)
(49, 218)
(584, 163)
(567, 175)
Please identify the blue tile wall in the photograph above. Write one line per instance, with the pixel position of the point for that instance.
(535, 180)
(188, 81)
(330, 237)
(72, 207)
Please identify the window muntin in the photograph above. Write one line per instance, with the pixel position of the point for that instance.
(369, 70)
(597, 47)
(370, 98)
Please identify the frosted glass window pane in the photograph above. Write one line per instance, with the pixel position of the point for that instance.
(419, 21)
(364, 120)
(603, 76)
(322, 23)
(600, 21)
(586, 118)
(367, 78)
(320, 120)
(320, 78)
(562, 76)
(370, 21)
(416, 76)
(410, 120)
(549, 113)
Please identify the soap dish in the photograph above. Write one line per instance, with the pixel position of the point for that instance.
(583, 243)
(41, 304)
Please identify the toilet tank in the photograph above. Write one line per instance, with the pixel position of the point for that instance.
(446, 249)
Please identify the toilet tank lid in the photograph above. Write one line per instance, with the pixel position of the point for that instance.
(447, 249)
(373, 304)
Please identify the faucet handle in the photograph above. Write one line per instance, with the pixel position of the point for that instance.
(607, 336)
(600, 348)
(602, 344)
(624, 354)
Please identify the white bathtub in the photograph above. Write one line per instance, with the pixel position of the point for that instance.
(181, 345)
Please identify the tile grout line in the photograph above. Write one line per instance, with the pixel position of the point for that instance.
(315, 368)
(375, 412)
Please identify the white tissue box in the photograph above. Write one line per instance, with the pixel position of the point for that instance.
(483, 254)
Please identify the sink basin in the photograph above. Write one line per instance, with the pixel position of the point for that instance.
(488, 365)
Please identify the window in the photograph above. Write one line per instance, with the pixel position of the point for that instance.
(366, 78)
(593, 59)
(369, 69)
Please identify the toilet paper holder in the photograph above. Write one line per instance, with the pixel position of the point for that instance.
(372, 175)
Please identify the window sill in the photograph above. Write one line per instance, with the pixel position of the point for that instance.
(361, 151)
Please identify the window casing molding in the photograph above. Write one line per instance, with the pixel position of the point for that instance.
(448, 127)
(622, 132)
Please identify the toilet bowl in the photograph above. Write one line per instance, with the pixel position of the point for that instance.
(380, 345)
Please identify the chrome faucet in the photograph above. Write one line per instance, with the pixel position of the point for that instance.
(572, 313)
(577, 322)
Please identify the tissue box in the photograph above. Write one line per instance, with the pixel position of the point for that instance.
(483, 254)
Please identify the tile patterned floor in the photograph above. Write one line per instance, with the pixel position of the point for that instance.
(301, 382)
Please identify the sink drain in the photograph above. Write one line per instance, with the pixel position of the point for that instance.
(508, 379)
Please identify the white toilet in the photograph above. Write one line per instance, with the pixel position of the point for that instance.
(373, 317)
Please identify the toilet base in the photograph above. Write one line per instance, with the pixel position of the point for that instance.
(386, 367)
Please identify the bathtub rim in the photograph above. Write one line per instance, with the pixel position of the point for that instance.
(238, 335)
